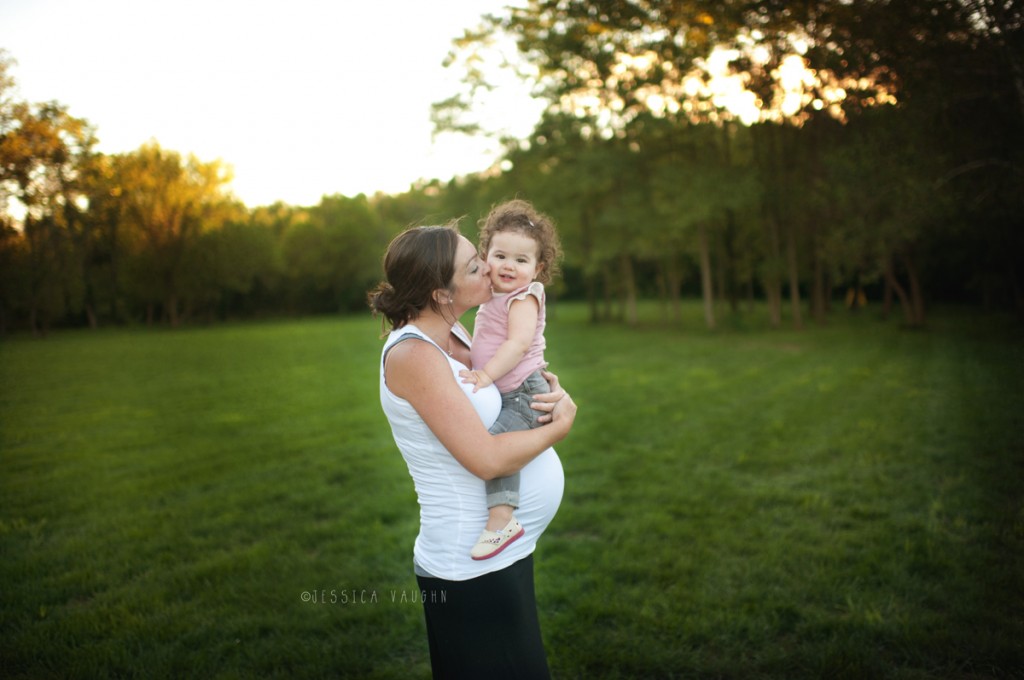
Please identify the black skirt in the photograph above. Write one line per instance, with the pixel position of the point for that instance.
(485, 627)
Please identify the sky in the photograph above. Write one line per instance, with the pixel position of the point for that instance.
(302, 99)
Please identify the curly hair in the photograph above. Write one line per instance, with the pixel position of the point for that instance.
(520, 216)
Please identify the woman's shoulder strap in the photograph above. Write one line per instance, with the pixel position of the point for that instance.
(400, 335)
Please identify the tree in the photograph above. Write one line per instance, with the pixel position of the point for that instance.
(952, 66)
(332, 257)
(166, 203)
(621, 67)
(104, 251)
(42, 151)
(14, 270)
(563, 166)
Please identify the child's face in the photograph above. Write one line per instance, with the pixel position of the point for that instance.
(513, 260)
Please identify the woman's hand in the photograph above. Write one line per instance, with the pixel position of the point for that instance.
(548, 401)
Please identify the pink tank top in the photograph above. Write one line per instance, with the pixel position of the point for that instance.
(491, 329)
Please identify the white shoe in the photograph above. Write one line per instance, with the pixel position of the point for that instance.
(491, 543)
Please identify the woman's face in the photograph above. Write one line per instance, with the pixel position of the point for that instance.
(472, 277)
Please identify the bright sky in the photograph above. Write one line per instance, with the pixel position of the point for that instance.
(302, 99)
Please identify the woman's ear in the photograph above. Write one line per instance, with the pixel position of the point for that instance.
(443, 296)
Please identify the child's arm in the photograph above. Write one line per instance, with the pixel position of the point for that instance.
(522, 326)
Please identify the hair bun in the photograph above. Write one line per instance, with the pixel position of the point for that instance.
(380, 298)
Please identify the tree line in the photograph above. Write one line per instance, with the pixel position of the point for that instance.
(789, 150)
(873, 146)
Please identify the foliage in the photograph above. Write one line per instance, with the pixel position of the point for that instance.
(165, 203)
(722, 149)
(648, 73)
(43, 152)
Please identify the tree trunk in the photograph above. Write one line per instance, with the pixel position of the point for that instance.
(674, 281)
(916, 297)
(818, 293)
(662, 282)
(628, 289)
(705, 276)
(587, 253)
(719, 267)
(1018, 297)
(606, 277)
(772, 277)
(773, 295)
(185, 316)
(592, 302)
(732, 283)
(117, 311)
(827, 290)
(727, 256)
(794, 278)
(886, 298)
(901, 293)
(171, 305)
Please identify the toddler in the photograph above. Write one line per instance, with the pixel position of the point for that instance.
(523, 251)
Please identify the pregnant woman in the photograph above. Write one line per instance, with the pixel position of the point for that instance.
(481, 616)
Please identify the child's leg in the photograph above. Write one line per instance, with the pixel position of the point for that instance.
(516, 415)
(502, 499)
(534, 384)
(503, 493)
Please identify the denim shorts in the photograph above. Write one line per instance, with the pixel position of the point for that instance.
(516, 413)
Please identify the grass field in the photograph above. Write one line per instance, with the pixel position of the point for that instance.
(842, 502)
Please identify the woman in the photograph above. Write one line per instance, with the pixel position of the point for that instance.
(481, 615)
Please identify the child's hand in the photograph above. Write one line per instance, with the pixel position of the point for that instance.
(478, 378)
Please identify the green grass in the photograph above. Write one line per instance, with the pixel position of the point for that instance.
(840, 502)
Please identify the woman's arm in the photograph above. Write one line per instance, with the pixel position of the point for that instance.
(418, 373)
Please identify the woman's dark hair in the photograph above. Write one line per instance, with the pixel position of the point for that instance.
(417, 262)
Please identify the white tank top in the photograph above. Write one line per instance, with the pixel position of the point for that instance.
(453, 506)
